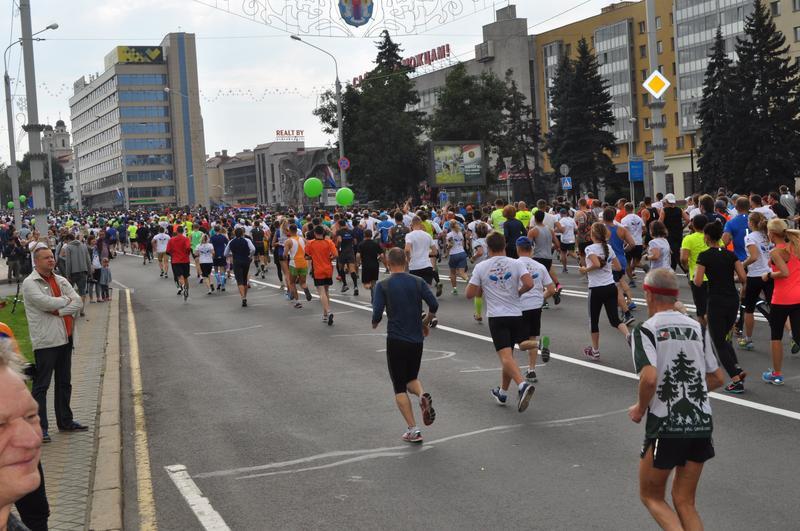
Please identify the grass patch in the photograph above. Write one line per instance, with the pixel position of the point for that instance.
(18, 323)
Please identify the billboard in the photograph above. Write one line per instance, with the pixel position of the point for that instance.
(458, 164)
(135, 54)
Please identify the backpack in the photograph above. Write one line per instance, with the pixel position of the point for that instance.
(585, 228)
(399, 236)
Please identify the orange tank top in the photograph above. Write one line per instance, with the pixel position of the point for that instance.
(787, 290)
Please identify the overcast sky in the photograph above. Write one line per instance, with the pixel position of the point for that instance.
(236, 57)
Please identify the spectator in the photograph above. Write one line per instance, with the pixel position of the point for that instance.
(77, 265)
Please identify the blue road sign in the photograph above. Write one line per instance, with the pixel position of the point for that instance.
(566, 183)
(636, 171)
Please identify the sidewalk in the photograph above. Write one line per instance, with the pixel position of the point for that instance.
(69, 461)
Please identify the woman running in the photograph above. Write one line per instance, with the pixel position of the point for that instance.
(479, 253)
(658, 249)
(720, 265)
(600, 261)
(785, 258)
(205, 257)
(458, 255)
(543, 238)
(758, 247)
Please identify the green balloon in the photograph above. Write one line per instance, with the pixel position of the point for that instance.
(10, 204)
(312, 187)
(23, 198)
(344, 197)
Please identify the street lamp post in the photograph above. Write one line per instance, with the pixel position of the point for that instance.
(632, 121)
(342, 172)
(207, 202)
(50, 174)
(13, 171)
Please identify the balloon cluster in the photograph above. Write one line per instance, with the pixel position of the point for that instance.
(313, 189)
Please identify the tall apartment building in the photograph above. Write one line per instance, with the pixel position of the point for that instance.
(138, 126)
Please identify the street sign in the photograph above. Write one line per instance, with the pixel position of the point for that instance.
(344, 163)
(566, 183)
(443, 197)
(564, 169)
(636, 171)
(656, 84)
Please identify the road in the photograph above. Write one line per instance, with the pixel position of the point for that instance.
(284, 423)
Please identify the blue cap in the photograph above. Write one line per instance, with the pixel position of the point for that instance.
(523, 241)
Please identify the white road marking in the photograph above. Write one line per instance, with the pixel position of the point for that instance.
(228, 330)
(123, 286)
(199, 504)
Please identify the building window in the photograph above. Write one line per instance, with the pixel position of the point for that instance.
(679, 142)
(644, 75)
(567, 50)
(669, 182)
(797, 34)
(661, 68)
(643, 48)
(147, 143)
(796, 5)
(643, 26)
(677, 120)
(143, 112)
(671, 19)
(147, 160)
(615, 151)
(645, 99)
(647, 123)
(775, 8)
(672, 43)
(660, 47)
(648, 146)
(693, 141)
(658, 23)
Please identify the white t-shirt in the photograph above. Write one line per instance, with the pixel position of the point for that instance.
(205, 252)
(534, 298)
(693, 212)
(665, 253)
(766, 212)
(634, 224)
(456, 242)
(161, 240)
(658, 205)
(421, 243)
(602, 276)
(764, 246)
(549, 221)
(407, 218)
(499, 277)
(480, 243)
(569, 226)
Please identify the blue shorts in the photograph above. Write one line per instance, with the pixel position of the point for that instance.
(458, 261)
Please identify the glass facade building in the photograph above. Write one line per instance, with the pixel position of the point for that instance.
(612, 46)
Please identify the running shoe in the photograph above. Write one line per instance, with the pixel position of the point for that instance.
(434, 322)
(185, 293)
(771, 377)
(297, 305)
(795, 347)
(591, 353)
(46, 437)
(244, 303)
(477, 318)
(439, 290)
(222, 288)
(735, 388)
(746, 344)
(530, 376)
(210, 292)
(525, 395)
(545, 350)
(500, 399)
(738, 331)
(426, 405)
(455, 291)
(355, 292)
(564, 270)
(545, 306)
(345, 288)
(308, 294)
(330, 319)
(557, 296)
(180, 291)
(632, 306)
(288, 296)
(161, 274)
(412, 436)
(629, 318)
(200, 280)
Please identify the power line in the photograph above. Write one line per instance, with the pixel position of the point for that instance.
(559, 14)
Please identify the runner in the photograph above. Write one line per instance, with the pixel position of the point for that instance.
(757, 264)
(204, 254)
(658, 250)
(159, 243)
(401, 295)
(566, 228)
(601, 260)
(480, 252)
(258, 237)
(295, 249)
(196, 237)
(675, 377)
(220, 241)
(635, 227)
(322, 252)
(618, 240)
(543, 239)
(241, 250)
(419, 246)
(143, 238)
(457, 262)
(370, 255)
(531, 303)
(179, 249)
(345, 241)
(674, 218)
(584, 219)
(691, 247)
(502, 281)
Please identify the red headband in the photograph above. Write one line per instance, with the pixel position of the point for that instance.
(661, 291)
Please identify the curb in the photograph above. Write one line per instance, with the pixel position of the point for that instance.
(106, 493)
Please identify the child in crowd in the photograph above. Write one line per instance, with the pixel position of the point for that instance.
(105, 280)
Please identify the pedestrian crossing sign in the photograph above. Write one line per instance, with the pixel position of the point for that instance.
(656, 84)
(566, 183)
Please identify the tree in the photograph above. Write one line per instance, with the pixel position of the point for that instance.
(768, 122)
(380, 134)
(714, 115)
(667, 391)
(683, 371)
(581, 134)
(522, 133)
(697, 390)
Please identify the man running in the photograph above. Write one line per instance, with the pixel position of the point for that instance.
(160, 242)
(257, 235)
(345, 240)
(295, 249)
(179, 248)
(401, 295)
(322, 252)
(502, 281)
(220, 241)
(241, 249)
(635, 227)
(675, 377)
(418, 248)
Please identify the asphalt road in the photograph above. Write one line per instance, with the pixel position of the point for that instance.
(284, 423)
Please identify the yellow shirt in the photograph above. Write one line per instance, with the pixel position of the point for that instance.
(498, 219)
(525, 217)
(696, 244)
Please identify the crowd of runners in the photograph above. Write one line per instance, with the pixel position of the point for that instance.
(740, 254)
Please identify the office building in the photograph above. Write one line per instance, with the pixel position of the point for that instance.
(239, 178)
(137, 127)
(269, 189)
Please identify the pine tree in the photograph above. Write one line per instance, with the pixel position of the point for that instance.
(563, 138)
(697, 390)
(667, 391)
(522, 132)
(683, 371)
(768, 123)
(714, 115)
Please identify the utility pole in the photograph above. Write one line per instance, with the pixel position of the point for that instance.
(50, 174)
(78, 177)
(656, 105)
(13, 170)
(33, 127)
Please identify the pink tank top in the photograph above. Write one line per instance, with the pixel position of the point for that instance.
(787, 290)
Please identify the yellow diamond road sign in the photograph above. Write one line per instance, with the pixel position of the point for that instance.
(656, 84)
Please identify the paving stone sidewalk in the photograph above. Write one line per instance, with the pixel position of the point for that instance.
(69, 460)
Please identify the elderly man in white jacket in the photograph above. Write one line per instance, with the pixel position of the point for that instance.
(51, 305)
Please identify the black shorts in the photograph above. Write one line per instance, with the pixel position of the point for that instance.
(533, 321)
(507, 331)
(404, 359)
(205, 270)
(671, 452)
(617, 275)
(582, 247)
(752, 292)
(180, 270)
(348, 257)
(240, 271)
(567, 247)
(425, 274)
(369, 272)
(546, 262)
(700, 297)
(635, 253)
(220, 261)
(259, 249)
(323, 281)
